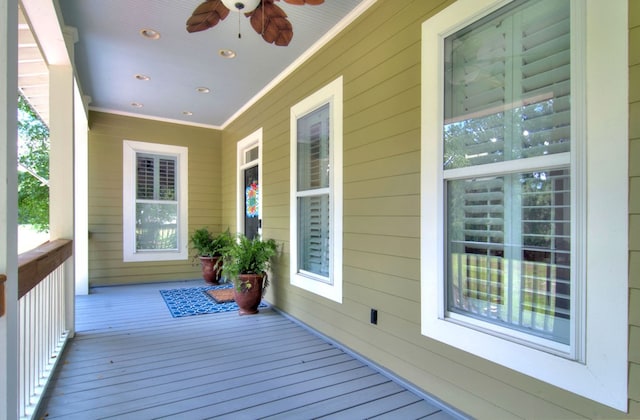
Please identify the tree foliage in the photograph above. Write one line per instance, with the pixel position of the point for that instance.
(33, 156)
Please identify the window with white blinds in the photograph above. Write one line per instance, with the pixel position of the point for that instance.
(506, 167)
(156, 202)
(316, 192)
(155, 197)
(524, 189)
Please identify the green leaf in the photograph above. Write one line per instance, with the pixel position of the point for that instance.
(33, 153)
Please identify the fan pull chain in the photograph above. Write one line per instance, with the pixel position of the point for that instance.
(239, 34)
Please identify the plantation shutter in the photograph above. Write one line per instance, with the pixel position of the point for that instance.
(156, 202)
(507, 87)
(166, 179)
(507, 98)
(145, 177)
(156, 178)
(313, 193)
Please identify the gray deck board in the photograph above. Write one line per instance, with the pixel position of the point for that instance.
(384, 404)
(336, 399)
(131, 360)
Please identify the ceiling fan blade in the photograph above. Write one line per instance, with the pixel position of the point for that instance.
(206, 15)
(271, 22)
(303, 2)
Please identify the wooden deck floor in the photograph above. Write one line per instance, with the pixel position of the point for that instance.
(130, 359)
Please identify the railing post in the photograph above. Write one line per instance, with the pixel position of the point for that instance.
(61, 172)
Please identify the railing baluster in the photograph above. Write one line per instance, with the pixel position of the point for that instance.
(42, 329)
(22, 365)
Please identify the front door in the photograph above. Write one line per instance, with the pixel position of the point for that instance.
(249, 206)
(251, 202)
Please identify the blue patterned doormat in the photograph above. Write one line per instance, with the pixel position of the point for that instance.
(195, 301)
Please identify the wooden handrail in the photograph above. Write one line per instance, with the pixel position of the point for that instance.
(3, 278)
(35, 265)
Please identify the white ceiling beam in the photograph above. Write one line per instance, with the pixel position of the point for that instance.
(46, 27)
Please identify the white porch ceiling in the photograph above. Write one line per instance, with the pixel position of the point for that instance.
(110, 52)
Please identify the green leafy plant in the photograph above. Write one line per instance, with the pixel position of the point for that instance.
(206, 244)
(33, 161)
(248, 256)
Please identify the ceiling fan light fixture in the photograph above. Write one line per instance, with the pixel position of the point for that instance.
(244, 6)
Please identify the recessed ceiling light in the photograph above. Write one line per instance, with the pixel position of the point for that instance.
(187, 113)
(150, 33)
(203, 89)
(142, 77)
(136, 104)
(227, 53)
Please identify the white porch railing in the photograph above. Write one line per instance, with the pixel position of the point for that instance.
(42, 320)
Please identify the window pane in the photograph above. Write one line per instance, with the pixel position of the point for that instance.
(251, 154)
(507, 85)
(145, 177)
(313, 149)
(509, 248)
(167, 179)
(156, 227)
(313, 234)
(156, 177)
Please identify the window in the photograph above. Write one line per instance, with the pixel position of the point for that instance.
(316, 192)
(511, 161)
(154, 204)
(506, 163)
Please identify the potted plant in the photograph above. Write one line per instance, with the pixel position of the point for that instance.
(246, 262)
(208, 249)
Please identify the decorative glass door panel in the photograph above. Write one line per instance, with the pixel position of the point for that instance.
(251, 202)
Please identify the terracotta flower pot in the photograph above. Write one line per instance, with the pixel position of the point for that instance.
(208, 269)
(250, 294)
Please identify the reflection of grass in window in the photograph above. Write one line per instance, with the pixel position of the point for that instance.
(477, 283)
(158, 237)
(477, 287)
(539, 295)
(156, 227)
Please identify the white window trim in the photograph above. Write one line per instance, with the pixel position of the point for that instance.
(129, 150)
(601, 375)
(331, 93)
(252, 140)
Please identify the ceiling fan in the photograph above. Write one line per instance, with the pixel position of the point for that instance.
(266, 18)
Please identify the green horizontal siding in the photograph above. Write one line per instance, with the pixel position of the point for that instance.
(379, 58)
(105, 194)
(634, 207)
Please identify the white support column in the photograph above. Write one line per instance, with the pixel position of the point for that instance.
(61, 171)
(57, 47)
(81, 238)
(81, 176)
(9, 208)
